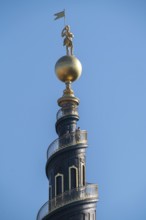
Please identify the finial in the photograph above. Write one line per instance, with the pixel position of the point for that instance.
(68, 68)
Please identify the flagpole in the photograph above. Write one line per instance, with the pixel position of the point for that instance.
(64, 18)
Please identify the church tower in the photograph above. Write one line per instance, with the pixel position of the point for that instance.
(71, 197)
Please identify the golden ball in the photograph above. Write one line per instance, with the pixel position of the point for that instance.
(68, 68)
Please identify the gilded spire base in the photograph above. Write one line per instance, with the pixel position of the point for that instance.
(68, 96)
(68, 91)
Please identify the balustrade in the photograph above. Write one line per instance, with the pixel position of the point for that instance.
(90, 191)
(73, 138)
(67, 111)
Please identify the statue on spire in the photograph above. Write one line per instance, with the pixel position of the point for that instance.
(68, 68)
(68, 40)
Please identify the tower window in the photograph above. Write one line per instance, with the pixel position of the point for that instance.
(82, 174)
(50, 192)
(59, 184)
(73, 177)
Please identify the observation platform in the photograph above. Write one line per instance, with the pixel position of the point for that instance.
(89, 191)
(67, 140)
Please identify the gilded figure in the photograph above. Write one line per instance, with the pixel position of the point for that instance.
(68, 40)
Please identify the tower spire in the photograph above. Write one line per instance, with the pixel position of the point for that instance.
(70, 196)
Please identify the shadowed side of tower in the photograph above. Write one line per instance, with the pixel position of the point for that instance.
(70, 196)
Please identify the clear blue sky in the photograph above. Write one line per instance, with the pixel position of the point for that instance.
(110, 41)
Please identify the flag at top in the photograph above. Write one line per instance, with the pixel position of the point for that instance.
(59, 15)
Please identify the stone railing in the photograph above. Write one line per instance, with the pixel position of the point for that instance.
(90, 191)
(67, 111)
(73, 138)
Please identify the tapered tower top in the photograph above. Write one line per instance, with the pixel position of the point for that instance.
(70, 196)
(68, 69)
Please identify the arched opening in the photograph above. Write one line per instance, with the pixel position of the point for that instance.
(58, 184)
(50, 192)
(73, 177)
(83, 175)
